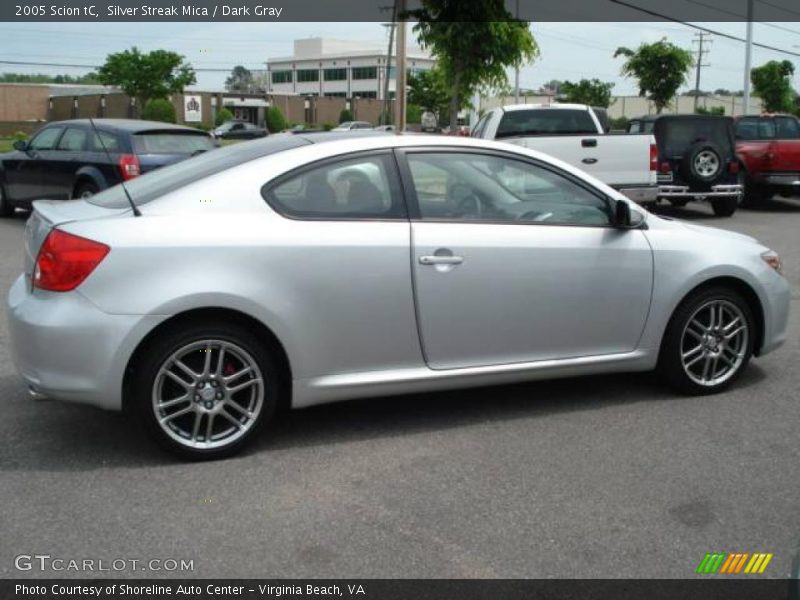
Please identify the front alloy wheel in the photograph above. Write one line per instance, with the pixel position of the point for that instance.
(708, 341)
(714, 343)
(204, 391)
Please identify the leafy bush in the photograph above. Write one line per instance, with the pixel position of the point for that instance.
(275, 120)
(346, 115)
(328, 126)
(222, 116)
(413, 114)
(20, 136)
(712, 110)
(159, 109)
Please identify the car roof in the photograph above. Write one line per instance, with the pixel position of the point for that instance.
(128, 125)
(554, 105)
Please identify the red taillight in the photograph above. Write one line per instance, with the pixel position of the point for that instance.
(653, 157)
(665, 167)
(65, 260)
(129, 166)
(733, 167)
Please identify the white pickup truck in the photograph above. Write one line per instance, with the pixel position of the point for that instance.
(575, 134)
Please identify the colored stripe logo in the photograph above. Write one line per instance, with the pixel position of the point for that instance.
(733, 563)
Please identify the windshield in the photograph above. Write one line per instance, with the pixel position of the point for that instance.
(545, 121)
(152, 185)
(171, 143)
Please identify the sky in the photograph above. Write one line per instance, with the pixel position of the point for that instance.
(569, 51)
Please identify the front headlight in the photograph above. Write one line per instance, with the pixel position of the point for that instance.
(773, 260)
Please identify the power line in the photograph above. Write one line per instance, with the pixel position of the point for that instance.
(75, 66)
(741, 16)
(784, 9)
(706, 29)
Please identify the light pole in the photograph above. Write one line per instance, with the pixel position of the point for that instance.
(748, 56)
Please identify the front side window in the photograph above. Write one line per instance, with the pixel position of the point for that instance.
(74, 139)
(477, 187)
(358, 188)
(46, 139)
(787, 128)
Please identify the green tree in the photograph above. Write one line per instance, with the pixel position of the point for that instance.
(155, 74)
(275, 120)
(429, 91)
(661, 68)
(592, 92)
(240, 80)
(474, 43)
(345, 115)
(222, 116)
(159, 109)
(772, 82)
(413, 113)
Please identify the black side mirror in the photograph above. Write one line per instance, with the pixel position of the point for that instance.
(21, 145)
(622, 214)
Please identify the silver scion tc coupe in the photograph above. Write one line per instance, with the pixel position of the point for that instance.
(313, 268)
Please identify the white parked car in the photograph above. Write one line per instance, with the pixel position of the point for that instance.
(575, 134)
(319, 267)
(352, 125)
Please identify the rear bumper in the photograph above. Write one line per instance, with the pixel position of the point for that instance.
(716, 191)
(639, 194)
(65, 348)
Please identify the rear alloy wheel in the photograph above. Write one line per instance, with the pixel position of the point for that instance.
(725, 207)
(205, 391)
(708, 342)
(85, 190)
(6, 208)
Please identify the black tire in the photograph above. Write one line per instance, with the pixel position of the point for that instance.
(703, 175)
(670, 360)
(678, 202)
(6, 208)
(85, 190)
(755, 194)
(725, 207)
(147, 381)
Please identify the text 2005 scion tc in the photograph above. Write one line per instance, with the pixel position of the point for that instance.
(312, 269)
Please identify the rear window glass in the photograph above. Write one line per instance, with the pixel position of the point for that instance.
(641, 126)
(545, 122)
(171, 143)
(676, 136)
(167, 179)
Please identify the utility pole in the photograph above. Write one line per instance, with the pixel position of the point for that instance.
(748, 57)
(400, 85)
(385, 109)
(516, 70)
(699, 39)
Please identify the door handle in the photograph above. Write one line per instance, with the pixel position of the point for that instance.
(589, 143)
(589, 161)
(441, 260)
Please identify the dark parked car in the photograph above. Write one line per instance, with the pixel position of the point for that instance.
(769, 149)
(238, 130)
(696, 159)
(72, 159)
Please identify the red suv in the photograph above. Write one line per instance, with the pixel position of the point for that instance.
(769, 149)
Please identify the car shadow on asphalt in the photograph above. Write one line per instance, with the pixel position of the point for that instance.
(55, 436)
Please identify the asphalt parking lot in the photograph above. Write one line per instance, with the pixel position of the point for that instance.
(612, 476)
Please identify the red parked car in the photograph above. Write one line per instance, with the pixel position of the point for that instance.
(769, 150)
